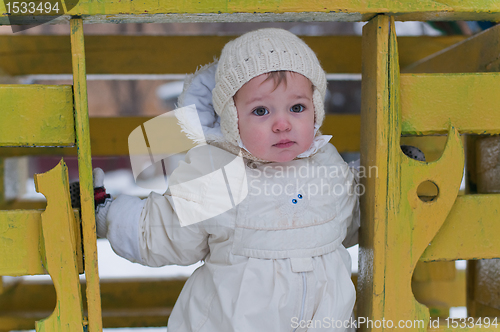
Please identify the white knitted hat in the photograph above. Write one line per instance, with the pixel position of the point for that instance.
(254, 54)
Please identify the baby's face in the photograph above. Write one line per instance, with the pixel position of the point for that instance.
(276, 124)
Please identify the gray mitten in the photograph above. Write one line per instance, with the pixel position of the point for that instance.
(102, 200)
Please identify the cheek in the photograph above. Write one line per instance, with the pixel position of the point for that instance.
(250, 137)
(253, 138)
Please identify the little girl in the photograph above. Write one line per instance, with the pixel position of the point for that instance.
(275, 261)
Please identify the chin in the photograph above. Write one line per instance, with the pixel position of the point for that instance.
(284, 159)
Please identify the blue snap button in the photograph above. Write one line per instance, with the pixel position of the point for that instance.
(294, 201)
(299, 196)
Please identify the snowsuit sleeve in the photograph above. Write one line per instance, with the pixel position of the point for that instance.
(162, 240)
(149, 232)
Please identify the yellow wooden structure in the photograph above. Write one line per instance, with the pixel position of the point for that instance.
(50, 241)
(400, 229)
(411, 87)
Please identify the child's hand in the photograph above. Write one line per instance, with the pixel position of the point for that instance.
(100, 194)
(102, 200)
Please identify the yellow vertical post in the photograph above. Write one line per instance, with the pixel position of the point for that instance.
(373, 110)
(397, 225)
(85, 173)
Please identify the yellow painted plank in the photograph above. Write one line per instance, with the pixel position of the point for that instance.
(345, 130)
(397, 225)
(109, 136)
(85, 175)
(374, 104)
(17, 323)
(125, 303)
(411, 223)
(31, 218)
(469, 231)
(25, 54)
(469, 101)
(478, 53)
(244, 10)
(59, 254)
(21, 238)
(23, 205)
(19, 243)
(36, 115)
(413, 49)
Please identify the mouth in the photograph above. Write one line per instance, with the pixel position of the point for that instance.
(284, 144)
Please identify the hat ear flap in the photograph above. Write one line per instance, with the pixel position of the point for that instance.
(319, 107)
(229, 122)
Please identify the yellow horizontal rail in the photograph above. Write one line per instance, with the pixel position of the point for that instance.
(478, 53)
(109, 136)
(36, 115)
(109, 11)
(469, 232)
(125, 303)
(345, 130)
(470, 105)
(148, 302)
(19, 243)
(430, 102)
(28, 55)
(20, 236)
(23, 205)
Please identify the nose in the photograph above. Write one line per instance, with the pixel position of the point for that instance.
(281, 124)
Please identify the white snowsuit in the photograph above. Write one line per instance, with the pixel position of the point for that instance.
(274, 262)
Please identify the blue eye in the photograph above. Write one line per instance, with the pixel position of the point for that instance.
(260, 111)
(297, 108)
